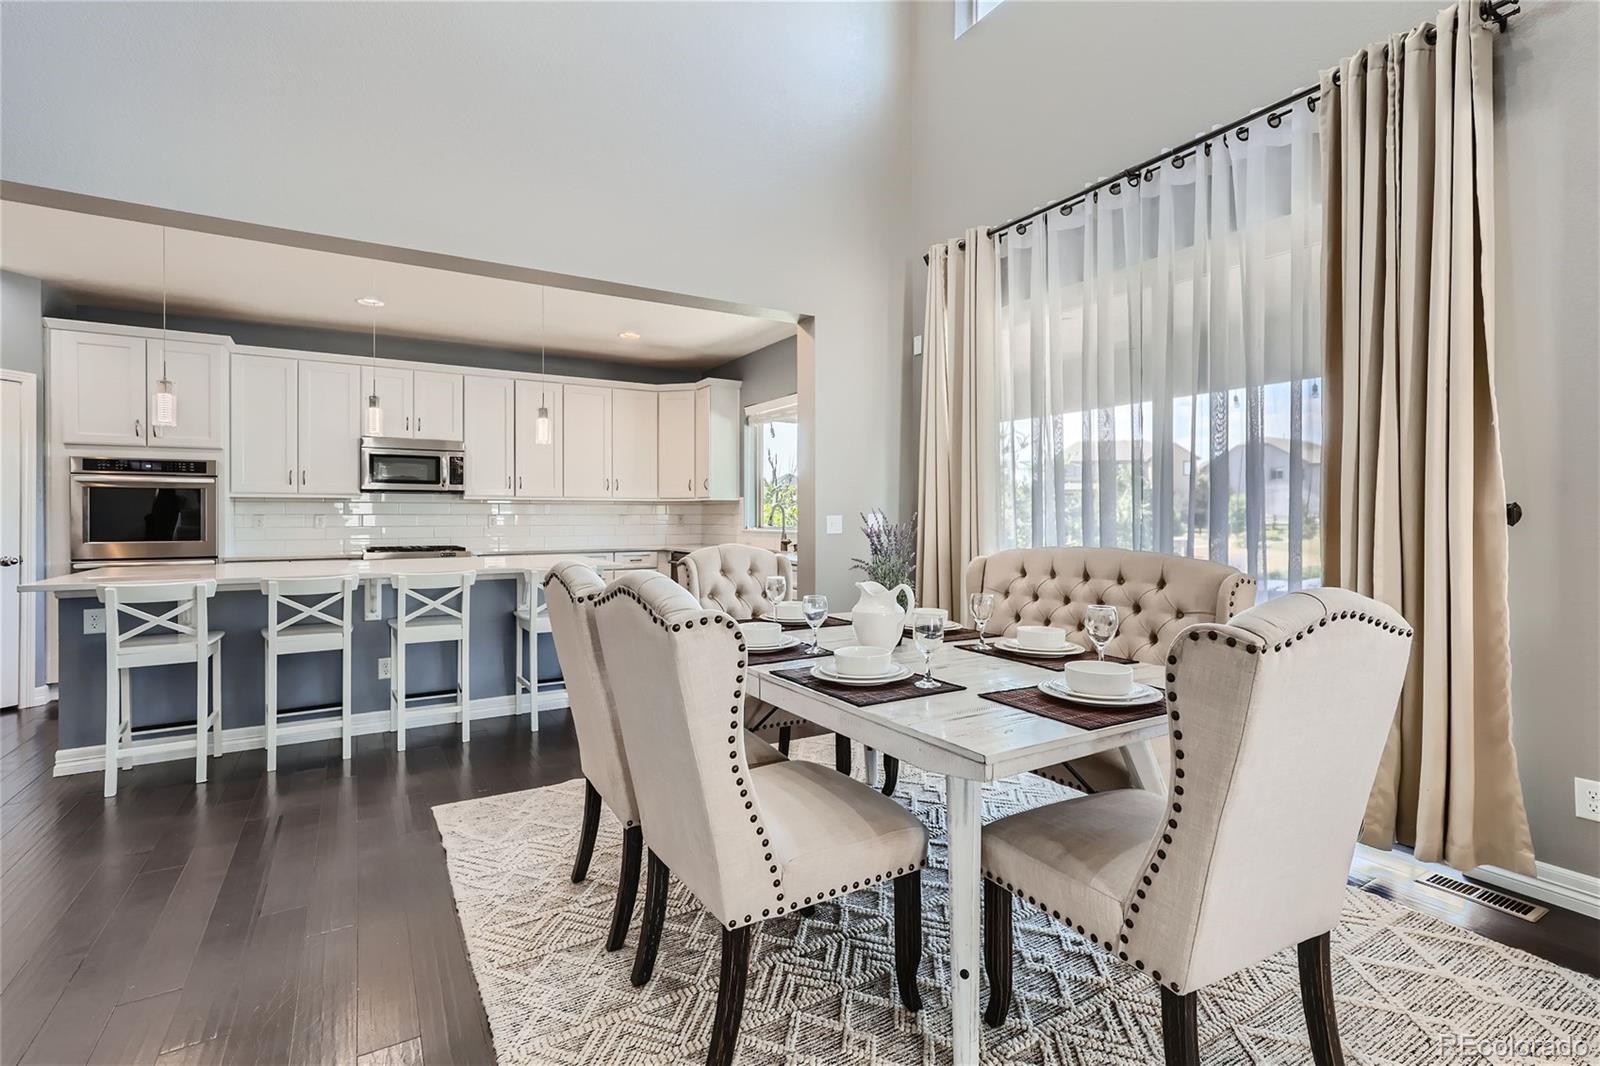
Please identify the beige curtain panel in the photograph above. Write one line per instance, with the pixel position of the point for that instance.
(1415, 494)
(957, 362)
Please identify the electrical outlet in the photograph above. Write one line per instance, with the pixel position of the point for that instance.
(94, 620)
(258, 521)
(319, 521)
(383, 668)
(1587, 798)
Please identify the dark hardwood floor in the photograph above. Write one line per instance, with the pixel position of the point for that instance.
(295, 918)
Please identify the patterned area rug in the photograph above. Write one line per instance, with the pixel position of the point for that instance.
(821, 989)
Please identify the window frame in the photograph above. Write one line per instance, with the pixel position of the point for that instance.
(756, 417)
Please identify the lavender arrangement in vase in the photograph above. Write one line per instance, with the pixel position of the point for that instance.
(891, 550)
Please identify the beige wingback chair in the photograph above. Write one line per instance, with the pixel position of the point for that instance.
(750, 842)
(1278, 720)
(570, 590)
(1157, 596)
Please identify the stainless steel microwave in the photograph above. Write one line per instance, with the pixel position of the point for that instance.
(398, 464)
(142, 510)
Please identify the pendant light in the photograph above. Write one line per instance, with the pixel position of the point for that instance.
(374, 407)
(541, 421)
(164, 404)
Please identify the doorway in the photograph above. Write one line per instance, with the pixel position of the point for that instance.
(18, 514)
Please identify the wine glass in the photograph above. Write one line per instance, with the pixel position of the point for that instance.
(1100, 623)
(927, 631)
(777, 590)
(816, 611)
(981, 604)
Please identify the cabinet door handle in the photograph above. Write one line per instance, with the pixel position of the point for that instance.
(419, 423)
(519, 481)
(707, 485)
(137, 428)
(302, 475)
(291, 477)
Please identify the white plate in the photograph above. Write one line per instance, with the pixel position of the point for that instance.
(785, 642)
(950, 625)
(1010, 644)
(822, 673)
(1140, 695)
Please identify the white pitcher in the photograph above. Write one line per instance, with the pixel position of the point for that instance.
(878, 618)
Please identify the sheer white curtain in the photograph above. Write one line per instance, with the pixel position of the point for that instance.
(1159, 360)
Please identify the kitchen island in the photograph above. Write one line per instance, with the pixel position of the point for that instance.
(164, 695)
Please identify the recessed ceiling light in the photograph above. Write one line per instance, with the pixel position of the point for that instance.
(628, 335)
(369, 301)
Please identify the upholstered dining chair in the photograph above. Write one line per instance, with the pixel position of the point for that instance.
(1157, 596)
(570, 590)
(1277, 722)
(750, 842)
(732, 578)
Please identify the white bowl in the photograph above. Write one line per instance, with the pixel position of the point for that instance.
(1099, 679)
(858, 660)
(1041, 638)
(761, 634)
(789, 611)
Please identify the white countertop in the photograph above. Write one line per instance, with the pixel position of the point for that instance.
(246, 575)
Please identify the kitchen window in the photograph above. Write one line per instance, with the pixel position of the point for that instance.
(771, 464)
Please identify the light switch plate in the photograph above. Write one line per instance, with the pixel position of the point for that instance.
(836, 523)
(916, 345)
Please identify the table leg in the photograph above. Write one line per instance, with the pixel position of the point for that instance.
(871, 759)
(1143, 767)
(963, 823)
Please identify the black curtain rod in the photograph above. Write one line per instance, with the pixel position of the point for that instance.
(1497, 12)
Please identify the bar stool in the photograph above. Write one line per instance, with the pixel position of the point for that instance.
(178, 635)
(433, 620)
(532, 619)
(295, 627)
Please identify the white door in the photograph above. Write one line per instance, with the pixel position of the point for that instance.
(264, 457)
(489, 439)
(393, 389)
(538, 465)
(633, 443)
(330, 428)
(436, 402)
(10, 542)
(585, 442)
(675, 447)
(196, 372)
(100, 384)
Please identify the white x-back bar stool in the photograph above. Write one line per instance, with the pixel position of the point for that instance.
(295, 626)
(177, 635)
(532, 619)
(438, 611)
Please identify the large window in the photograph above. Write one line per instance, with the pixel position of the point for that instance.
(771, 457)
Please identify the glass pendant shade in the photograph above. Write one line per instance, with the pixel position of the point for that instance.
(164, 406)
(541, 425)
(374, 416)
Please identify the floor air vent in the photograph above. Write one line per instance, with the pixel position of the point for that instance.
(1517, 908)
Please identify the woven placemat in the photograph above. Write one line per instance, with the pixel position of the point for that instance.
(868, 697)
(804, 651)
(826, 622)
(1041, 661)
(1082, 715)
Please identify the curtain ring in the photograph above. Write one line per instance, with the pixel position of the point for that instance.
(1116, 187)
(1150, 174)
(1066, 209)
(1243, 132)
(1311, 104)
(1022, 227)
(1208, 144)
(1177, 162)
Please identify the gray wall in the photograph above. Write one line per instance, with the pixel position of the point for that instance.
(767, 373)
(22, 348)
(1012, 127)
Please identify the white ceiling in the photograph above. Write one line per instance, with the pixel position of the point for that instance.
(117, 263)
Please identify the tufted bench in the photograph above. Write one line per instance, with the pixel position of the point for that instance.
(1157, 596)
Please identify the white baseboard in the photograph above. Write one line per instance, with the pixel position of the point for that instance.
(91, 757)
(41, 695)
(1555, 885)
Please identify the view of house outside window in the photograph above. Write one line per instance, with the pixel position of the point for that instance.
(772, 457)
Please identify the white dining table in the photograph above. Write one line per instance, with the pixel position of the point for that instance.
(969, 740)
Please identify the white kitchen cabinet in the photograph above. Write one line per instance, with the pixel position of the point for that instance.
(264, 454)
(586, 442)
(717, 417)
(489, 441)
(633, 443)
(436, 404)
(538, 465)
(196, 371)
(99, 380)
(393, 389)
(675, 444)
(331, 403)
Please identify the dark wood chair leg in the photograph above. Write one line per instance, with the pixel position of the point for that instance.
(908, 937)
(655, 915)
(1180, 1028)
(730, 995)
(891, 774)
(997, 951)
(841, 753)
(591, 826)
(1316, 993)
(627, 886)
(785, 734)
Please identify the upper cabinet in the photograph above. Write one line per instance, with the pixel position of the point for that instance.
(102, 384)
(717, 416)
(489, 445)
(586, 442)
(330, 428)
(633, 443)
(296, 427)
(392, 387)
(416, 403)
(538, 464)
(675, 451)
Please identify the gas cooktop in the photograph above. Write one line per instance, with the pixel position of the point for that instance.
(415, 551)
